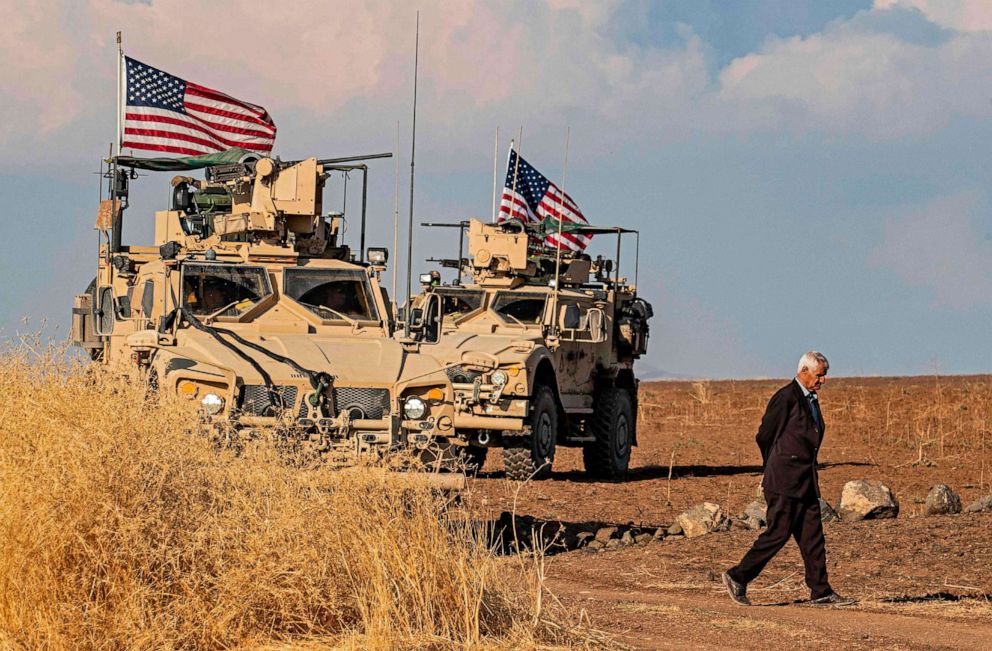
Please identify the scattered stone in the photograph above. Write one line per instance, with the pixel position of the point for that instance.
(740, 522)
(659, 533)
(703, 519)
(643, 538)
(595, 545)
(675, 529)
(941, 500)
(627, 538)
(755, 514)
(584, 538)
(605, 534)
(864, 499)
(827, 512)
(613, 542)
(981, 504)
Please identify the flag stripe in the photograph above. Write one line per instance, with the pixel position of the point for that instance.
(193, 107)
(188, 121)
(170, 148)
(210, 94)
(190, 128)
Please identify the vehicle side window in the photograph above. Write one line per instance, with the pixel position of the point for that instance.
(148, 299)
(456, 303)
(521, 308)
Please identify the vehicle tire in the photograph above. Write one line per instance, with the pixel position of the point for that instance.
(613, 423)
(531, 456)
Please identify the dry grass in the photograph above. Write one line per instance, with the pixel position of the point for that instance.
(120, 528)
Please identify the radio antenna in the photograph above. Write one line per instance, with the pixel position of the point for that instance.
(413, 153)
(396, 214)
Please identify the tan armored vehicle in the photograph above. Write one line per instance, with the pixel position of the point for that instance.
(248, 305)
(539, 348)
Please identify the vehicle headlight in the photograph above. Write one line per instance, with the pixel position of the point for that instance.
(212, 403)
(414, 408)
(498, 377)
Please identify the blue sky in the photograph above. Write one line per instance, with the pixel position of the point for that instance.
(805, 174)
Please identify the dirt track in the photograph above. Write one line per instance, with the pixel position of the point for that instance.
(922, 582)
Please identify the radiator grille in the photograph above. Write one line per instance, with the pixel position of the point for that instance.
(257, 401)
(371, 403)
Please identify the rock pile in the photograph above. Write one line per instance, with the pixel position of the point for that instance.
(864, 499)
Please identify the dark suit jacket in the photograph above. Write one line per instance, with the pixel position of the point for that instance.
(789, 442)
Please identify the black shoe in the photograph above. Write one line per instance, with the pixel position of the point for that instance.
(737, 591)
(833, 599)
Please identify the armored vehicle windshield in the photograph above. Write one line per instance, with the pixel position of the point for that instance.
(457, 302)
(332, 294)
(223, 290)
(519, 307)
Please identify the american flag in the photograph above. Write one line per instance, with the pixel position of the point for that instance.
(169, 114)
(529, 196)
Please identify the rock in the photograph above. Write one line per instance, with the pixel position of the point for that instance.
(613, 542)
(584, 538)
(703, 519)
(864, 499)
(643, 538)
(659, 533)
(941, 500)
(675, 530)
(595, 545)
(605, 533)
(755, 514)
(827, 512)
(627, 538)
(981, 504)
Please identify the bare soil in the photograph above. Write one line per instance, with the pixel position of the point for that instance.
(922, 582)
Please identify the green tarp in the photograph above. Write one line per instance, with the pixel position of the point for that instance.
(184, 164)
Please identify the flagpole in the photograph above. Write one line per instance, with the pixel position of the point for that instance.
(561, 195)
(120, 59)
(516, 167)
(495, 171)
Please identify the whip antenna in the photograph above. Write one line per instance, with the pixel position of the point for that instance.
(413, 153)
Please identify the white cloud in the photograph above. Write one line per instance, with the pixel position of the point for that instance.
(961, 15)
(848, 80)
(349, 66)
(37, 76)
(937, 246)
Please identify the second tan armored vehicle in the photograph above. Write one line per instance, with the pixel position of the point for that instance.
(540, 350)
(248, 305)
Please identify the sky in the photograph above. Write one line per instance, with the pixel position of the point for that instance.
(804, 175)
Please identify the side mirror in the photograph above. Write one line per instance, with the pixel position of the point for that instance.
(596, 322)
(103, 311)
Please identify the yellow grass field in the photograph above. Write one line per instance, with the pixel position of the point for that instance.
(120, 528)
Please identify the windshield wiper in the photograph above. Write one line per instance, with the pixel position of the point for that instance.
(507, 314)
(352, 322)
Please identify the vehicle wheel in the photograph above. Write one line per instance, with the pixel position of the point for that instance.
(475, 458)
(531, 456)
(613, 424)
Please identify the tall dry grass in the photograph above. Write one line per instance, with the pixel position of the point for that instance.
(122, 528)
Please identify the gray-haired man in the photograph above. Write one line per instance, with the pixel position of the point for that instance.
(789, 438)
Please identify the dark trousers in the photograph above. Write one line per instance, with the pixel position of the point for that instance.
(800, 519)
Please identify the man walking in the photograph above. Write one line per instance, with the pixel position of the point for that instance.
(789, 437)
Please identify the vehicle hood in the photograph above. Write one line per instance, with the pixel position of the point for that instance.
(351, 360)
(508, 348)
